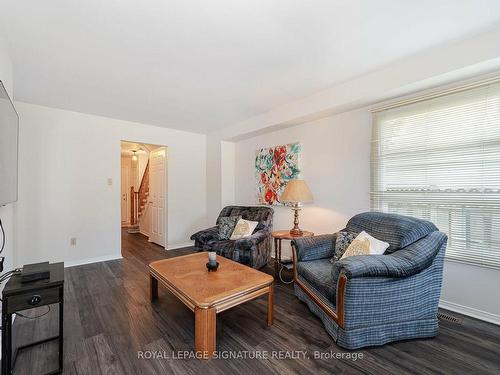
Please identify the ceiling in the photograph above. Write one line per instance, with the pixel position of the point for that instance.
(202, 65)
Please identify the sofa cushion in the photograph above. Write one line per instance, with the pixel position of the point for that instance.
(225, 226)
(342, 242)
(244, 228)
(359, 246)
(318, 273)
(398, 230)
(376, 246)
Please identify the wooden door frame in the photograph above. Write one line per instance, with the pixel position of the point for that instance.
(127, 195)
(166, 186)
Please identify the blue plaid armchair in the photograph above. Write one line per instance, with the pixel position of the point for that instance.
(371, 300)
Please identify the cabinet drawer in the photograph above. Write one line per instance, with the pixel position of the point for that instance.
(32, 299)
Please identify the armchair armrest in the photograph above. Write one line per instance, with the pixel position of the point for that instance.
(313, 248)
(211, 232)
(402, 263)
(249, 242)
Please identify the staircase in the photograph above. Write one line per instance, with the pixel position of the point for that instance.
(143, 192)
(139, 200)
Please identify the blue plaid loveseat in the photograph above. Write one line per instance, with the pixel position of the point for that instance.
(253, 251)
(371, 300)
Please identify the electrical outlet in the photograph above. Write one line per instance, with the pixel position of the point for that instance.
(110, 181)
(72, 241)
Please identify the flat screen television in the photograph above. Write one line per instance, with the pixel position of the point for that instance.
(9, 140)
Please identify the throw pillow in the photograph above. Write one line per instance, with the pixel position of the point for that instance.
(342, 242)
(359, 246)
(377, 247)
(244, 228)
(226, 226)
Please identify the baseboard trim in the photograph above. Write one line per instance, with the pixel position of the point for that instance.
(92, 260)
(470, 311)
(180, 245)
(144, 233)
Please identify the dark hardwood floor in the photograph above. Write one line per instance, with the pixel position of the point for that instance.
(109, 318)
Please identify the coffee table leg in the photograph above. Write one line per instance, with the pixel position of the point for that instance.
(205, 332)
(270, 305)
(153, 288)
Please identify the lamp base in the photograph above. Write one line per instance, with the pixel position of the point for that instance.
(296, 231)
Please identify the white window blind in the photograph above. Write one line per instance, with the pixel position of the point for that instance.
(439, 160)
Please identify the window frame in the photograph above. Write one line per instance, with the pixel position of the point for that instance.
(379, 199)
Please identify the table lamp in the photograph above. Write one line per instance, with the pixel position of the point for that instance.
(296, 192)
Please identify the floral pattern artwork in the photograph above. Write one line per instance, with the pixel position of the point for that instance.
(274, 167)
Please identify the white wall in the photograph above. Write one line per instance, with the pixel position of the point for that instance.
(336, 166)
(7, 213)
(228, 165)
(214, 178)
(472, 290)
(6, 68)
(65, 161)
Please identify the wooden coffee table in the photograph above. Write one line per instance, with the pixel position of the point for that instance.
(208, 293)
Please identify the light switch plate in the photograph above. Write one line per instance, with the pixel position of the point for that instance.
(110, 181)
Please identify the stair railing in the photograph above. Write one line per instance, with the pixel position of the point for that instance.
(137, 196)
(134, 206)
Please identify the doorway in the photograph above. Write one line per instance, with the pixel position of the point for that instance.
(144, 211)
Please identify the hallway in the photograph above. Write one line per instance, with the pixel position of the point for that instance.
(137, 247)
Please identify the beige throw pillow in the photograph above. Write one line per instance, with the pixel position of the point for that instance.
(377, 247)
(243, 228)
(358, 247)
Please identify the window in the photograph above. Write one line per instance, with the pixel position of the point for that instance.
(439, 159)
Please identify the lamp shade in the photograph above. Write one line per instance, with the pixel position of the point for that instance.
(296, 191)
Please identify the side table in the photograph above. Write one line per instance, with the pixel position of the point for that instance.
(18, 296)
(279, 236)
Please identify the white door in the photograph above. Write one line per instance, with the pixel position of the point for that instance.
(158, 195)
(125, 189)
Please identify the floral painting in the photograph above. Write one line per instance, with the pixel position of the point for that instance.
(274, 167)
